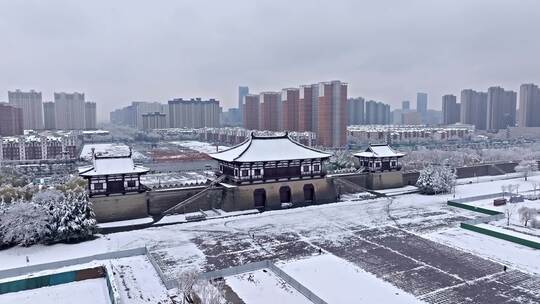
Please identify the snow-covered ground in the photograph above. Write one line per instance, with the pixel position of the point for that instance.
(382, 240)
(504, 252)
(138, 281)
(203, 147)
(210, 214)
(144, 220)
(510, 232)
(93, 291)
(399, 191)
(338, 281)
(264, 287)
(513, 209)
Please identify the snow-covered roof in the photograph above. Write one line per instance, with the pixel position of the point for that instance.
(381, 150)
(111, 165)
(111, 149)
(268, 148)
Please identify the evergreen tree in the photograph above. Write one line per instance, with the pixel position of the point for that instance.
(436, 180)
(72, 218)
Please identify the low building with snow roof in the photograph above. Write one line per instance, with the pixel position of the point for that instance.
(379, 158)
(113, 174)
(381, 162)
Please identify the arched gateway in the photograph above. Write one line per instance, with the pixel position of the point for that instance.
(262, 160)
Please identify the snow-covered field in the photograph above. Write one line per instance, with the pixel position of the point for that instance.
(338, 281)
(264, 287)
(203, 147)
(516, 224)
(411, 244)
(507, 253)
(138, 281)
(93, 291)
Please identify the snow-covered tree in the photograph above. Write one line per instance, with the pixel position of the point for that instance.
(73, 184)
(527, 166)
(526, 214)
(192, 289)
(23, 223)
(340, 159)
(72, 217)
(9, 193)
(436, 179)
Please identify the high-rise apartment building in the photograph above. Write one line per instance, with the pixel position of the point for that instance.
(143, 107)
(31, 105)
(405, 105)
(332, 114)
(11, 120)
(290, 102)
(270, 110)
(305, 108)
(421, 103)
(450, 109)
(501, 108)
(49, 115)
(132, 115)
(242, 92)
(251, 112)
(473, 108)
(377, 113)
(194, 113)
(156, 120)
(412, 118)
(529, 106)
(69, 111)
(355, 109)
(90, 115)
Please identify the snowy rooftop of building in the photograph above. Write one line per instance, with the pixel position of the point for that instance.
(382, 150)
(104, 149)
(268, 148)
(111, 165)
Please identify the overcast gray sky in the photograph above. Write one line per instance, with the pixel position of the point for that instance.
(120, 51)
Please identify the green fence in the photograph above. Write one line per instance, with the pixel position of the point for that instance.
(52, 279)
(473, 208)
(502, 236)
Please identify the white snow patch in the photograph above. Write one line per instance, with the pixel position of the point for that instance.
(338, 281)
(264, 287)
(518, 256)
(199, 146)
(92, 291)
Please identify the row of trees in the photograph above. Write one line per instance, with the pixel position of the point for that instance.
(418, 159)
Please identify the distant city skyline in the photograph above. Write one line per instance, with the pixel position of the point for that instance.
(387, 55)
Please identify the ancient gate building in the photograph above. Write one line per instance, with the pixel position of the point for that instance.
(270, 172)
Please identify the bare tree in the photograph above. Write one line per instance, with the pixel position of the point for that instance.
(526, 214)
(185, 281)
(210, 293)
(509, 211)
(535, 186)
(193, 289)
